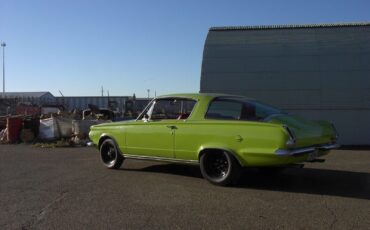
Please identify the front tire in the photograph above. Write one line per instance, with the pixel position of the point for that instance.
(220, 168)
(110, 155)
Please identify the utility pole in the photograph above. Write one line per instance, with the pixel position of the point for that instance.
(109, 107)
(148, 92)
(62, 97)
(102, 91)
(3, 45)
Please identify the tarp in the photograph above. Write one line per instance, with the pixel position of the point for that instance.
(48, 129)
(60, 127)
(64, 127)
(55, 128)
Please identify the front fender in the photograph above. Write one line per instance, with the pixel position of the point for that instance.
(105, 136)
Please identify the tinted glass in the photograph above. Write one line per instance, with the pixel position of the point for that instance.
(239, 109)
(224, 110)
(172, 109)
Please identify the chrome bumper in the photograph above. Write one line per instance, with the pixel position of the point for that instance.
(293, 152)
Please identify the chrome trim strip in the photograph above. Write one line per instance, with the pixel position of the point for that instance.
(292, 152)
(149, 104)
(163, 159)
(285, 152)
(329, 147)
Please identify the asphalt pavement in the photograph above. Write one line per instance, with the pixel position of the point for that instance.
(68, 188)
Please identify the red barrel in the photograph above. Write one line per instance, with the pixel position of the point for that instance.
(14, 125)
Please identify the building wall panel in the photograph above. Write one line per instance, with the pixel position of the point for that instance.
(320, 72)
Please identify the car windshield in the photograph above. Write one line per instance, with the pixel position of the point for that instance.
(235, 108)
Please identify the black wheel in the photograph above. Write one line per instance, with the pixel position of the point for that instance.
(110, 155)
(220, 168)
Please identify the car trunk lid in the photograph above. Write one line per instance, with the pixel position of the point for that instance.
(306, 132)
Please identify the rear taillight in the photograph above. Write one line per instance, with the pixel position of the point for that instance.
(292, 138)
(335, 132)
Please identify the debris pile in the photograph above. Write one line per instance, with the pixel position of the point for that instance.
(50, 125)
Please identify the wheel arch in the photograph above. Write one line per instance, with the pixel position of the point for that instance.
(104, 137)
(205, 150)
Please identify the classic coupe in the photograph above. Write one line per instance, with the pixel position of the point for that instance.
(220, 133)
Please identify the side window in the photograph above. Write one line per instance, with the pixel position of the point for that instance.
(224, 110)
(239, 109)
(248, 112)
(186, 108)
(263, 110)
(171, 108)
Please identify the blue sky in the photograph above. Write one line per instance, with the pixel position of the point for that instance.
(127, 47)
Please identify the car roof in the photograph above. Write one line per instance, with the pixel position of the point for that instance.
(197, 96)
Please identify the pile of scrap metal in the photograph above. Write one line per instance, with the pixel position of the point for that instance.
(95, 113)
(64, 127)
(18, 128)
(47, 124)
(81, 129)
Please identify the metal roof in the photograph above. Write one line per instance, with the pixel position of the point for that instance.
(25, 94)
(297, 26)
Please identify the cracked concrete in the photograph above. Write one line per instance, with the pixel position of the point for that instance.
(332, 213)
(37, 218)
(49, 206)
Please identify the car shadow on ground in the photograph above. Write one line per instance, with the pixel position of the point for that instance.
(298, 180)
(175, 169)
(312, 181)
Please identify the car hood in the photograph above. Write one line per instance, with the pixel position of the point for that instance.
(109, 124)
(307, 132)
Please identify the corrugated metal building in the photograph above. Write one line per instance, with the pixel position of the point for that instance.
(317, 71)
(117, 103)
(38, 98)
(9, 100)
(82, 102)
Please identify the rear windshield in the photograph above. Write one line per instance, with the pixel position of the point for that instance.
(230, 108)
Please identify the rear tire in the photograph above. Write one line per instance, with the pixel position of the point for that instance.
(110, 155)
(220, 168)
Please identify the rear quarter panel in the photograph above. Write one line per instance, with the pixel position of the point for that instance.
(251, 142)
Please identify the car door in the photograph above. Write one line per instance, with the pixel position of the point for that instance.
(152, 134)
(151, 138)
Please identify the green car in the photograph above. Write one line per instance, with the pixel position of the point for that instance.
(221, 133)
